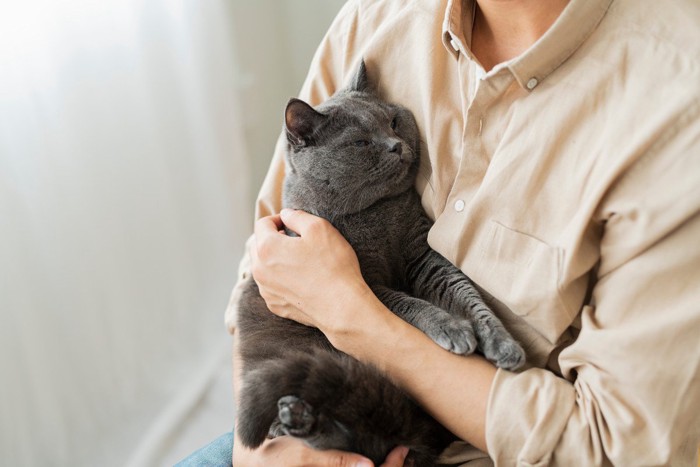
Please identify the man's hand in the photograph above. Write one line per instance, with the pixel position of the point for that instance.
(292, 452)
(302, 278)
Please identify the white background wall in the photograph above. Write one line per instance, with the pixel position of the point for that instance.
(277, 39)
(133, 134)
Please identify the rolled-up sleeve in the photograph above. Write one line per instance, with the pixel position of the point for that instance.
(632, 387)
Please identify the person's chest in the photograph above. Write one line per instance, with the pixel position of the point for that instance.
(516, 179)
(505, 193)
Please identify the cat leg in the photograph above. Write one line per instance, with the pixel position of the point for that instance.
(437, 280)
(447, 331)
(495, 341)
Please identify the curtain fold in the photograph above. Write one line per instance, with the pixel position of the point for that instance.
(124, 204)
(133, 137)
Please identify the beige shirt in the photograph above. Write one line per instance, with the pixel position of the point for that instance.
(566, 184)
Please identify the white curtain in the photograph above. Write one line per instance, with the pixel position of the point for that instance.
(125, 198)
(124, 204)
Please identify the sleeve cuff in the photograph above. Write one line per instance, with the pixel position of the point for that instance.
(526, 415)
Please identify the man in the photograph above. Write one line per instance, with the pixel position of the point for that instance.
(561, 163)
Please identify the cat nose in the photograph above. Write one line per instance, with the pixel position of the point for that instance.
(397, 149)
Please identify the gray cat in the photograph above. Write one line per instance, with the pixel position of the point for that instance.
(353, 160)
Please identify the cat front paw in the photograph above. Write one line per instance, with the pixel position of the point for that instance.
(506, 353)
(456, 336)
(296, 416)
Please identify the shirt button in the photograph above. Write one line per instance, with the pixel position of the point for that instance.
(459, 205)
(532, 83)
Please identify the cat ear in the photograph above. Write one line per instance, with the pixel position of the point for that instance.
(359, 81)
(301, 121)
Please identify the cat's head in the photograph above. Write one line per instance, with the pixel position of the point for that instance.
(350, 151)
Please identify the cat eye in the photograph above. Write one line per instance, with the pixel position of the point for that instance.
(393, 124)
(360, 143)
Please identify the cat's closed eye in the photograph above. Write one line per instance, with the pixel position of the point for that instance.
(394, 123)
(360, 143)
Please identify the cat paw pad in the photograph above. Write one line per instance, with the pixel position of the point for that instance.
(295, 415)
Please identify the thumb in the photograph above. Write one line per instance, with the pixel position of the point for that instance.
(299, 221)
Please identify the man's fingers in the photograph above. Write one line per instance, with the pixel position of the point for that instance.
(268, 225)
(300, 222)
(266, 240)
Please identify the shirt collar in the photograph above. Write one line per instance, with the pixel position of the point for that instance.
(452, 37)
(574, 25)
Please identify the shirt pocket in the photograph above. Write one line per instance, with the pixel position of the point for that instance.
(523, 273)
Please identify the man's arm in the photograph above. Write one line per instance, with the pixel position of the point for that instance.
(452, 388)
(634, 369)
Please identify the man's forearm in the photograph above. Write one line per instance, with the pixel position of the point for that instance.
(452, 388)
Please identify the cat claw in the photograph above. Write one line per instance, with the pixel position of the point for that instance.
(295, 415)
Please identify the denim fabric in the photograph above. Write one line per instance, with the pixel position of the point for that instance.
(215, 454)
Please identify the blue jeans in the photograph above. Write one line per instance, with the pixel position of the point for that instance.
(215, 454)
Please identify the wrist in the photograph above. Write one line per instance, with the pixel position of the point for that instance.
(366, 323)
(351, 314)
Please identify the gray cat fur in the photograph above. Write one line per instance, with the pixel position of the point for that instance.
(353, 160)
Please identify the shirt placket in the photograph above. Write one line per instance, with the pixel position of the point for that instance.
(475, 158)
(478, 91)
